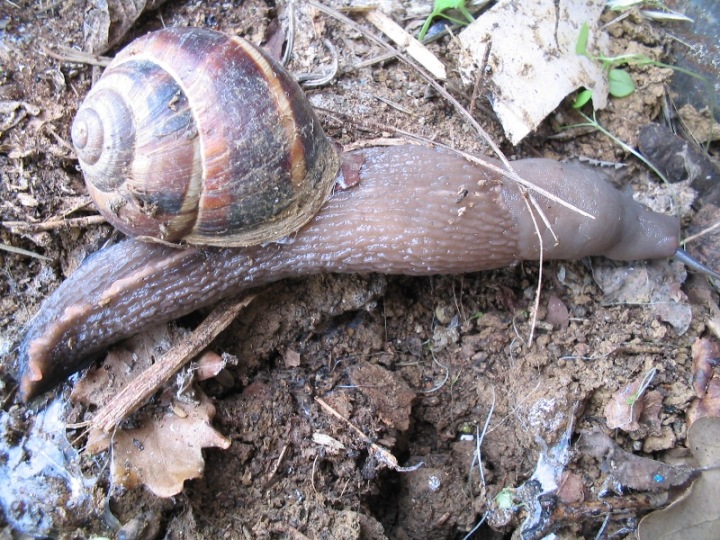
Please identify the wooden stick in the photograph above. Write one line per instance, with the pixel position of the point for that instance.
(130, 398)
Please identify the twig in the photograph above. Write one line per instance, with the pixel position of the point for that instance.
(536, 302)
(21, 251)
(66, 54)
(148, 382)
(381, 453)
(701, 233)
(51, 225)
(279, 461)
(414, 48)
(425, 75)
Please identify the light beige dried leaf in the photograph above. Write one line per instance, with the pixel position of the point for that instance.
(625, 407)
(331, 445)
(166, 451)
(656, 285)
(527, 49)
(697, 515)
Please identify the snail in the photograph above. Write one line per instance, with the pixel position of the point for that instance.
(416, 210)
(195, 136)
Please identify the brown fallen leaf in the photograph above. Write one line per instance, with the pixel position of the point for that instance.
(627, 404)
(697, 515)
(708, 405)
(631, 471)
(166, 450)
(705, 356)
(121, 365)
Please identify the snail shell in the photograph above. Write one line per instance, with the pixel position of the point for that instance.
(192, 135)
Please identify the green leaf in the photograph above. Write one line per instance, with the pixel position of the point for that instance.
(581, 45)
(582, 98)
(443, 5)
(621, 83)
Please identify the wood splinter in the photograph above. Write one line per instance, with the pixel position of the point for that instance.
(134, 395)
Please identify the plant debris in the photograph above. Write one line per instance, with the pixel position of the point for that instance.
(656, 284)
(697, 514)
(626, 470)
(529, 50)
(163, 448)
(107, 22)
(633, 401)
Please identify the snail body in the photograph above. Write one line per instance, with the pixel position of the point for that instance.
(415, 211)
(195, 136)
(404, 217)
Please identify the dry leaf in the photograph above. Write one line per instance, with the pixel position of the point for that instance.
(708, 405)
(627, 405)
(697, 515)
(629, 470)
(332, 445)
(705, 355)
(121, 365)
(166, 451)
(107, 21)
(656, 285)
(165, 447)
(528, 50)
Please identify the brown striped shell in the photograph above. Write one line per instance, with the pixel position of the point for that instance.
(192, 135)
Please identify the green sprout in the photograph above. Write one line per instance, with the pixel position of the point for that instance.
(620, 83)
(644, 385)
(444, 5)
(466, 428)
(593, 123)
(505, 499)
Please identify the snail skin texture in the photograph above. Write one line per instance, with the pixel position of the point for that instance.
(416, 211)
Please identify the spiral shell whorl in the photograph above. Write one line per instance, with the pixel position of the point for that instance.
(196, 136)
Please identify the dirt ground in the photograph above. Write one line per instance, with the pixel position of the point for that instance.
(416, 364)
